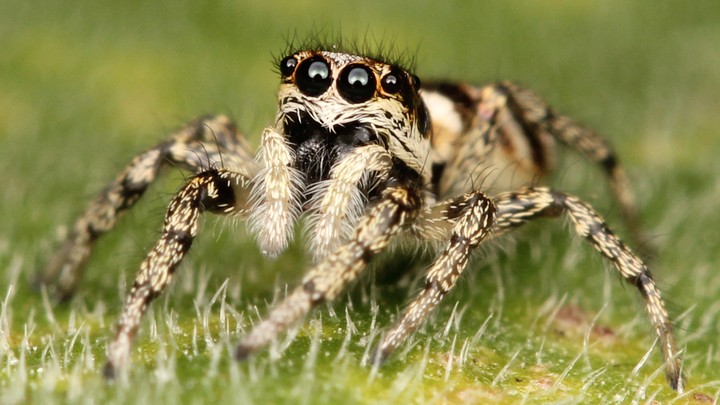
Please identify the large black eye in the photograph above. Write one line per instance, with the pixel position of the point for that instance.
(313, 76)
(391, 82)
(356, 83)
(287, 66)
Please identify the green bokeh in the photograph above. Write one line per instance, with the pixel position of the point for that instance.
(85, 85)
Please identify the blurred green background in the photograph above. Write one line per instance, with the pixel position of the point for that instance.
(85, 85)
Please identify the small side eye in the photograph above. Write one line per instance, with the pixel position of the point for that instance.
(356, 83)
(288, 65)
(423, 119)
(417, 82)
(391, 82)
(313, 76)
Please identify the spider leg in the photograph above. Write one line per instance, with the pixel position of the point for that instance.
(325, 281)
(208, 142)
(213, 191)
(517, 208)
(473, 215)
(536, 117)
(337, 203)
(276, 195)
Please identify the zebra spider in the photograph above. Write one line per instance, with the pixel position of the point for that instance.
(365, 155)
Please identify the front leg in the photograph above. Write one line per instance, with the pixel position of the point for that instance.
(397, 207)
(213, 191)
(209, 142)
(337, 203)
(472, 217)
(276, 194)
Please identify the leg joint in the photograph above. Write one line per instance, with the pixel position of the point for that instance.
(217, 195)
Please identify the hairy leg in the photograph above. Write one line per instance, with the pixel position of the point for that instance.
(472, 216)
(518, 208)
(336, 204)
(210, 191)
(209, 142)
(276, 194)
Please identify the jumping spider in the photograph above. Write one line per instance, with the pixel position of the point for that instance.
(365, 155)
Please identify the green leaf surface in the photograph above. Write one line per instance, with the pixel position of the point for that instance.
(538, 317)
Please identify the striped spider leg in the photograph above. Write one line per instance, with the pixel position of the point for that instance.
(362, 155)
(520, 207)
(211, 190)
(208, 142)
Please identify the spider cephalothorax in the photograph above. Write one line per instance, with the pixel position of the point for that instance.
(334, 111)
(364, 155)
(335, 102)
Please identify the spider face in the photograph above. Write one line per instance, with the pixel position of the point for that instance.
(331, 103)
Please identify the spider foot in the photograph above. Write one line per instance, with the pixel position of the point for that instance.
(280, 319)
(243, 351)
(118, 357)
(379, 355)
